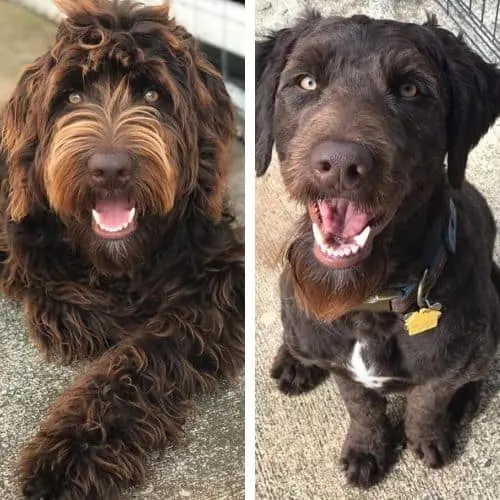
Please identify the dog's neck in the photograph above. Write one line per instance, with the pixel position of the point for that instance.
(413, 232)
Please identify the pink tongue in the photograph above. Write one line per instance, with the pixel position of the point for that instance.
(342, 218)
(113, 213)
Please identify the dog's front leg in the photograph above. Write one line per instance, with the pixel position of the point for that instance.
(67, 332)
(96, 438)
(369, 446)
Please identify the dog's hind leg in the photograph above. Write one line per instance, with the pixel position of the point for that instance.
(432, 411)
(95, 441)
(465, 400)
(495, 277)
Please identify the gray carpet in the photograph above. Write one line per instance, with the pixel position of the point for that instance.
(299, 439)
(209, 465)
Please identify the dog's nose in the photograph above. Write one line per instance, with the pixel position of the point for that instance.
(344, 164)
(110, 167)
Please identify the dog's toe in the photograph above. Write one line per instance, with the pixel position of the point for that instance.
(41, 486)
(38, 489)
(435, 452)
(368, 453)
(293, 377)
(362, 469)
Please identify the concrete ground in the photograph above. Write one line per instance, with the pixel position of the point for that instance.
(299, 439)
(210, 465)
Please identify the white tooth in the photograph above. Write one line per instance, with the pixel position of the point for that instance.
(320, 240)
(113, 229)
(354, 249)
(131, 215)
(336, 254)
(362, 237)
(347, 251)
(96, 216)
(324, 248)
(331, 252)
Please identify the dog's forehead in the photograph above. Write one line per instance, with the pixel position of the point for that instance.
(109, 56)
(359, 36)
(128, 36)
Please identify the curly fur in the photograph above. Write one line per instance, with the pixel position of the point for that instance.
(159, 313)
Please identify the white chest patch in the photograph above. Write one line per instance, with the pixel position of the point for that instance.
(366, 375)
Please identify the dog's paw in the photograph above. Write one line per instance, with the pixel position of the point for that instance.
(293, 377)
(362, 469)
(40, 482)
(66, 469)
(41, 488)
(367, 454)
(434, 450)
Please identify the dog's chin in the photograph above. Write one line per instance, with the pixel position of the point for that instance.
(117, 253)
(325, 291)
(344, 232)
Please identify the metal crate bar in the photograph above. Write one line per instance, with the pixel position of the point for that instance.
(478, 20)
(220, 27)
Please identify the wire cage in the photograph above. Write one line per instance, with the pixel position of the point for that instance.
(480, 23)
(219, 26)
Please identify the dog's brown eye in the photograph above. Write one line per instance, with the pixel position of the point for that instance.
(308, 83)
(75, 98)
(408, 90)
(151, 96)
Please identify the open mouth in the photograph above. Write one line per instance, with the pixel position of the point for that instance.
(114, 218)
(343, 232)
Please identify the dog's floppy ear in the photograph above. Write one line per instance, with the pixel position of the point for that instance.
(474, 105)
(216, 126)
(21, 121)
(218, 132)
(271, 55)
(210, 146)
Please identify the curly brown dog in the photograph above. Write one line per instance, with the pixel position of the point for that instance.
(115, 238)
(389, 282)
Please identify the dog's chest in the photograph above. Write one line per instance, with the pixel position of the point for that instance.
(364, 368)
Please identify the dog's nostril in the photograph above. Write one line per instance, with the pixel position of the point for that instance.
(97, 174)
(123, 174)
(324, 166)
(353, 172)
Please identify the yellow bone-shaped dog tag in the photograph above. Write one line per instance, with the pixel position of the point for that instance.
(422, 320)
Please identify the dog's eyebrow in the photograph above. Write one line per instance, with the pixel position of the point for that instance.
(310, 59)
(414, 65)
